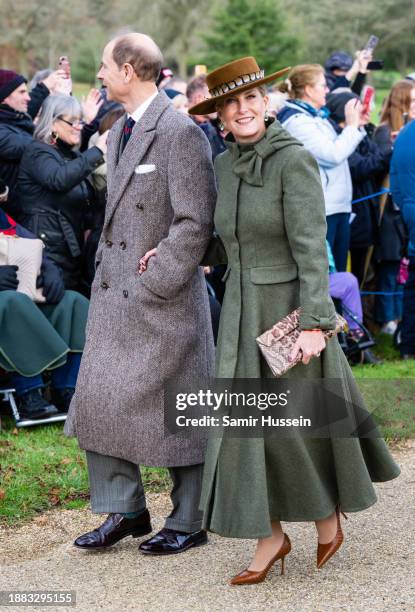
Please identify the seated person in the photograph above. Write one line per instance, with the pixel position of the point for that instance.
(35, 338)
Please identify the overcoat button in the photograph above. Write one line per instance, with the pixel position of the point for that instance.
(123, 245)
(125, 293)
(104, 285)
(108, 243)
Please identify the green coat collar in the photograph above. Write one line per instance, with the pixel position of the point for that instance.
(247, 159)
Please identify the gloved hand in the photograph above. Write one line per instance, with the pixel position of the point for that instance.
(50, 279)
(8, 278)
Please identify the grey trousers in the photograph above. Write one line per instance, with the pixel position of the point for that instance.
(116, 486)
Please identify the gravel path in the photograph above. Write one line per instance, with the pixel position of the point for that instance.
(374, 570)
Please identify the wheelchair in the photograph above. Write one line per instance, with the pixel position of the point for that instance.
(353, 348)
(7, 395)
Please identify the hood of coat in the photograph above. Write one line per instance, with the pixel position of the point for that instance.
(247, 159)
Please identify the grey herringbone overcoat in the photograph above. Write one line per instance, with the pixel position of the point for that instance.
(145, 330)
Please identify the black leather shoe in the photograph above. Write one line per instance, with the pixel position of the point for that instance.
(171, 542)
(115, 528)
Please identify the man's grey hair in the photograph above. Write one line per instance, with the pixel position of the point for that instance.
(53, 107)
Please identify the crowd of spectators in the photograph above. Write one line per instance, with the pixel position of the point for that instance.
(53, 187)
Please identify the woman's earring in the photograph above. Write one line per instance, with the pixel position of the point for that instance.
(266, 116)
(220, 125)
(53, 137)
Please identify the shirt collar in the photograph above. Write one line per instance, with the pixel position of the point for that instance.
(140, 110)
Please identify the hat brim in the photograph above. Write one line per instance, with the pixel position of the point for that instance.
(209, 105)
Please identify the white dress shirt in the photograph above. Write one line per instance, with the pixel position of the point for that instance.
(140, 110)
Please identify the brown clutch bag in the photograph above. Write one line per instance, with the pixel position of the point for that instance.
(276, 344)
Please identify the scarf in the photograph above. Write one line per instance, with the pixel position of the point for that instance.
(247, 159)
(323, 112)
(7, 225)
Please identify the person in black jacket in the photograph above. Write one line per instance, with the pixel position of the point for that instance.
(53, 189)
(368, 164)
(18, 108)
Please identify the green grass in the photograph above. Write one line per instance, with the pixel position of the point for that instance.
(40, 468)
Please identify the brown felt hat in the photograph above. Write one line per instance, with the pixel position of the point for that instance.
(233, 78)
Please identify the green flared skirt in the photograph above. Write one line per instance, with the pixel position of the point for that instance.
(37, 337)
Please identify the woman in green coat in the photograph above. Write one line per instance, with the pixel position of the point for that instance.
(270, 216)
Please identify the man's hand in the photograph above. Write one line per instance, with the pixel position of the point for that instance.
(310, 344)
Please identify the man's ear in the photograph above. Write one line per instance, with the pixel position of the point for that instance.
(129, 73)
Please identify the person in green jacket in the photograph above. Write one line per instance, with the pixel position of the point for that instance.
(270, 218)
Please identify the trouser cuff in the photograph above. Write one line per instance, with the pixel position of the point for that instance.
(180, 525)
(121, 506)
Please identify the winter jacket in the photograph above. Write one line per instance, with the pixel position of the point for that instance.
(53, 195)
(402, 175)
(16, 133)
(368, 164)
(391, 240)
(331, 150)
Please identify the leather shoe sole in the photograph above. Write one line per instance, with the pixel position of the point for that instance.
(137, 533)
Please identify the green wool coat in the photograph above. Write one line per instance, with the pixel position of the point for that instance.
(270, 217)
(34, 338)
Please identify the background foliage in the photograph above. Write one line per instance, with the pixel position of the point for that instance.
(34, 33)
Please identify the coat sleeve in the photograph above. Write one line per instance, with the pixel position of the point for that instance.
(305, 223)
(328, 153)
(37, 97)
(192, 194)
(50, 172)
(369, 165)
(13, 144)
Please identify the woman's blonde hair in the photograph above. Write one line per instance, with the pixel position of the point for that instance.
(396, 104)
(298, 79)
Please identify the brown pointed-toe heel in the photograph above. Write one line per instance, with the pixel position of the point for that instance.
(326, 551)
(249, 577)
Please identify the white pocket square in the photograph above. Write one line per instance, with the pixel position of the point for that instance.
(145, 168)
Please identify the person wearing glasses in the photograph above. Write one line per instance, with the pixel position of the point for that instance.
(53, 187)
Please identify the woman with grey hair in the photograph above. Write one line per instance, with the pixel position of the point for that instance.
(53, 187)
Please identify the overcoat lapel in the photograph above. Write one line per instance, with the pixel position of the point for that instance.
(121, 167)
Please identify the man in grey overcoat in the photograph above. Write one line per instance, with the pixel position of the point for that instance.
(145, 330)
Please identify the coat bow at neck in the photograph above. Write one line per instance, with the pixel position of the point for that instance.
(247, 159)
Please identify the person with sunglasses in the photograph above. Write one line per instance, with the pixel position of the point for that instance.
(53, 187)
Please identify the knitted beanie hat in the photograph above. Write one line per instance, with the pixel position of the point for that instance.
(9, 81)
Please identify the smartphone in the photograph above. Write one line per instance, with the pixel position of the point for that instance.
(64, 64)
(65, 86)
(375, 65)
(371, 43)
(367, 99)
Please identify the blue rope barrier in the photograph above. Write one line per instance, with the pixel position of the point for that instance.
(381, 293)
(372, 195)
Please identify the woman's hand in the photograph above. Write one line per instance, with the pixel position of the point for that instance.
(144, 260)
(310, 344)
(55, 82)
(101, 142)
(352, 112)
(91, 105)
